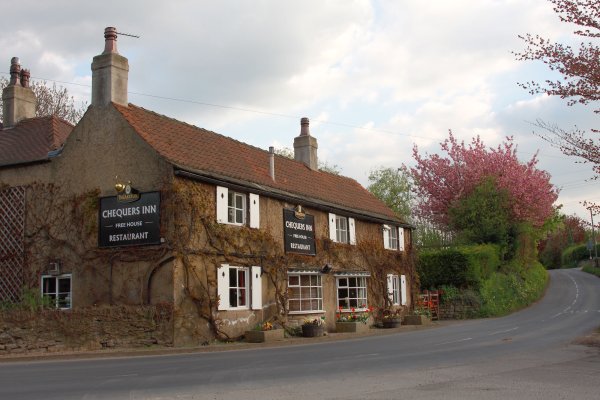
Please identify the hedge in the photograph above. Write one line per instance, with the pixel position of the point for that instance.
(461, 267)
(573, 254)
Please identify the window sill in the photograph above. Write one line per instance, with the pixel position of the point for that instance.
(306, 312)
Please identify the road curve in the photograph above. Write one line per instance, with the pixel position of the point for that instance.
(524, 355)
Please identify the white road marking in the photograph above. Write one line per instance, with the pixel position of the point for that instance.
(454, 341)
(504, 331)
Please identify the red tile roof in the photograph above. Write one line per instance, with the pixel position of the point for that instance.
(197, 149)
(31, 139)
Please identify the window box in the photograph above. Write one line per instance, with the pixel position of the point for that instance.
(351, 327)
(255, 336)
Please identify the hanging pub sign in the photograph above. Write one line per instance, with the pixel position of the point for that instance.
(132, 223)
(299, 231)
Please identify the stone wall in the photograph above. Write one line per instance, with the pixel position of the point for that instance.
(458, 310)
(91, 328)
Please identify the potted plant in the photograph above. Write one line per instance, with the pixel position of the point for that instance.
(313, 327)
(265, 332)
(353, 321)
(390, 319)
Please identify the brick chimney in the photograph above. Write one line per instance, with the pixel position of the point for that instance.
(110, 72)
(18, 100)
(305, 146)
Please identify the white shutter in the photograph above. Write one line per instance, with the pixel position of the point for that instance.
(222, 202)
(386, 237)
(254, 211)
(256, 288)
(223, 286)
(403, 288)
(352, 230)
(332, 227)
(390, 287)
(401, 238)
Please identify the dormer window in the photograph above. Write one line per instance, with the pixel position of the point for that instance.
(237, 208)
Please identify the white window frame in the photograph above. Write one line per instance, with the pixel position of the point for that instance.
(56, 295)
(393, 238)
(250, 208)
(393, 235)
(337, 233)
(315, 292)
(394, 289)
(252, 287)
(361, 285)
(232, 207)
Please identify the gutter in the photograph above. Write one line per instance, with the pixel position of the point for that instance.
(236, 184)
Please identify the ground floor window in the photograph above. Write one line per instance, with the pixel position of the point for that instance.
(305, 293)
(394, 289)
(57, 289)
(238, 287)
(352, 292)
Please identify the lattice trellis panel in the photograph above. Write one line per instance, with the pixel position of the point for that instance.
(12, 237)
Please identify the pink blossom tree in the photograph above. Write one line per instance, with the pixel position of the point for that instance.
(442, 181)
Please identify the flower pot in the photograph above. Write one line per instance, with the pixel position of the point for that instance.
(391, 323)
(263, 336)
(416, 320)
(351, 327)
(313, 330)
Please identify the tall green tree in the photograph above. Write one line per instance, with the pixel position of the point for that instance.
(483, 216)
(393, 186)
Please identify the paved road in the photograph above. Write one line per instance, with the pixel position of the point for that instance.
(523, 356)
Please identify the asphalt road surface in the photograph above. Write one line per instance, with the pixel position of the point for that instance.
(527, 355)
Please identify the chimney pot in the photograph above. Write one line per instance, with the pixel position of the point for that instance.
(304, 127)
(15, 71)
(110, 40)
(25, 75)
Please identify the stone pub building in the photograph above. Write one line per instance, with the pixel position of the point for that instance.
(130, 208)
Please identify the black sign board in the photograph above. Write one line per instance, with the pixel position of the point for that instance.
(299, 231)
(129, 224)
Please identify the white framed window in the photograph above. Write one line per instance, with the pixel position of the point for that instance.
(58, 290)
(393, 242)
(305, 293)
(237, 208)
(352, 292)
(393, 286)
(239, 287)
(342, 229)
(393, 237)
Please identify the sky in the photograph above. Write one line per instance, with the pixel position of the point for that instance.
(375, 77)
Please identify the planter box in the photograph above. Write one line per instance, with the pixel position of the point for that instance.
(391, 323)
(416, 320)
(351, 327)
(263, 336)
(313, 330)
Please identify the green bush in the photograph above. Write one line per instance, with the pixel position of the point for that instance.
(573, 254)
(590, 269)
(507, 291)
(461, 267)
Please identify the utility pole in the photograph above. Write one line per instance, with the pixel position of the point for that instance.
(594, 238)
